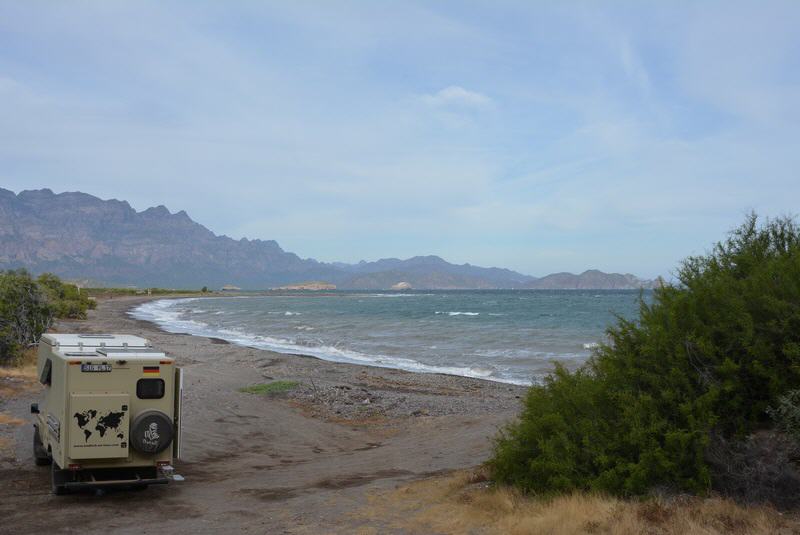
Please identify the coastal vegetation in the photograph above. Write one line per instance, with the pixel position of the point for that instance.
(273, 387)
(696, 395)
(112, 292)
(28, 307)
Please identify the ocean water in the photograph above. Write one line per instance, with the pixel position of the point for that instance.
(511, 336)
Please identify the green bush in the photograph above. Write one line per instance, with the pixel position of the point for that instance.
(25, 313)
(28, 307)
(67, 300)
(710, 354)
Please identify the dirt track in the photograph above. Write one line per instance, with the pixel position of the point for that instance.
(293, 463)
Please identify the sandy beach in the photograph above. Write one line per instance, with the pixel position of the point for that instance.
(304, 461)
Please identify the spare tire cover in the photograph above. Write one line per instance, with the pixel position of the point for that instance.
(151, 432)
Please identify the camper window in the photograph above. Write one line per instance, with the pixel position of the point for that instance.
(150, 388)
(47, 373)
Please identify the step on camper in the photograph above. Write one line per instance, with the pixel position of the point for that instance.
(111, 413)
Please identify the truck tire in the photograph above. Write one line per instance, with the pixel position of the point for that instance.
(151, 432)
(56, 486)
(40, 456)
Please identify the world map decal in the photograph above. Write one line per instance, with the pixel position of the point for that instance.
(102, 423)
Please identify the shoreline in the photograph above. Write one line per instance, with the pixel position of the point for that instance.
(301, 394)
(323, 353)
(299, 461)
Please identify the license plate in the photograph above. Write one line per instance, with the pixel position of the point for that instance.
(95, 367)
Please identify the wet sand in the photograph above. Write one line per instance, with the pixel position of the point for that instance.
(304, 461)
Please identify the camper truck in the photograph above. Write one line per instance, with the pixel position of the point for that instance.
(111, 412)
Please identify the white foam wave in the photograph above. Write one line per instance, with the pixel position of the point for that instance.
(591, 345)
(396, 295)
(288, 313)
(459, 313)
(483, 371)
(163, 314)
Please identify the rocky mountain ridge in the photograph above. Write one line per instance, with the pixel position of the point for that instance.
(79, 236)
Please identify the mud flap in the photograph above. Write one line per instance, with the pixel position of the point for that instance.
(176, 444)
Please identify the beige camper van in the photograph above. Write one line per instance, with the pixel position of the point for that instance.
(110, 414)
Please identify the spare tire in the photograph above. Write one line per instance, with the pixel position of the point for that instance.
(151, 432)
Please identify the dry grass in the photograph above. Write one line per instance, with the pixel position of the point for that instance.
(464, 503)
(6, 419)
(19, 378)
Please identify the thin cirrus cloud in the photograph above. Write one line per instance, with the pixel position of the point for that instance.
(455, 95)
(540, 137)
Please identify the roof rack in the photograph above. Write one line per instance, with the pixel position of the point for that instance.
(130, 352)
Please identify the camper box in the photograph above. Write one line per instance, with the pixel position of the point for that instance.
(110, 413)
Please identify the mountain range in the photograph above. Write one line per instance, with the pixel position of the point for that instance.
(79, 236)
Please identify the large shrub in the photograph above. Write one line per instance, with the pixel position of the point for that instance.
(709, 355)
(28, 307)
(25, 313)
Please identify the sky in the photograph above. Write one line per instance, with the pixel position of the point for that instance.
(538, 136)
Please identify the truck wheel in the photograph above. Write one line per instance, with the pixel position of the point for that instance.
(40, 456)
(56, 486)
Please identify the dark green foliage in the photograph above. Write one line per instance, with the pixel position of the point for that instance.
(25, 313)
(711, 353)
(28, 307)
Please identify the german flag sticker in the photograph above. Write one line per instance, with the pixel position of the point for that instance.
(150, 370)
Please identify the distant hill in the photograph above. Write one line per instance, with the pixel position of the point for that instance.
(79, 236)
(590, 280)
(430, 272)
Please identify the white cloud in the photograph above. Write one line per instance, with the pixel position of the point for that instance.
(455, 95)
(620, 138)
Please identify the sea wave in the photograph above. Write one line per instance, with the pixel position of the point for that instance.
(591, 345)
(167, 315)
(459, 313)
(397, 295)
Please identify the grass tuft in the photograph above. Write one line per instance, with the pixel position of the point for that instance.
(270, 388)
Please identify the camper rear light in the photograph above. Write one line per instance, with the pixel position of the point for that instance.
(162, 463)
(73, 467)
